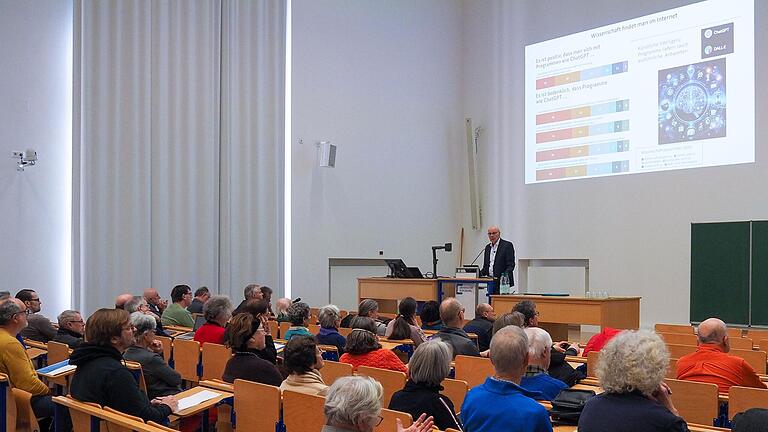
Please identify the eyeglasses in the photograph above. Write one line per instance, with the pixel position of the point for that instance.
(35, 299)
(381, 419)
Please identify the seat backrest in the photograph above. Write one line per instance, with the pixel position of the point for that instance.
(215, 358)
(57, 352)
(138, 373)
(741, 399)
(455, 390)
(167, 347)
(313, 328)
(10, 403)
(332, 371)
(25, 417)
(742, 343)
(79, 412)
(389, 423)
(756, 359)
(274, 329)
(680, 338)
(344, 331)
(330, 352)
(284, 326)
(697, 402)
(592, 359)
(674, 328)
(735, 332)
(757, 334)
(390, 380)
(473, 370)
(676, 351)
(257, 406)
(301, 412)
(672, 369)
(186, 359)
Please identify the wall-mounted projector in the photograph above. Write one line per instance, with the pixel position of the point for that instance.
(327, 154)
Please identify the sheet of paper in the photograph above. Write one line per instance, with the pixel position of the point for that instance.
(196, 398)
(61, 370)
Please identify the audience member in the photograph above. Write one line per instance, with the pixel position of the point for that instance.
(482, 325)
(303, 360)
(15, 363)
(500, 404)
(353, 403)
(122, 299)
(452, 315)
(404, 325)
(631, 371)
(202, 295)
(751, 420)
(429, 366)
(250, 292)
(510, 318)
(528, 309)
(598, 341)
(430, 316)
(282, 306)
(363, 348)
(71, 328)
(176, 313)
(139, 304)
(266, 293)
(161, 379)
(368, 308)
(257, 308)
(536, 377)
(711, 362)
(102, 378)
(40, 328)
(217, 312)
(299, 314)
(329, 328)
(156, 304)
(245, 337)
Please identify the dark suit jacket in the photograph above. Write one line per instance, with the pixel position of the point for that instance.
(504, 262)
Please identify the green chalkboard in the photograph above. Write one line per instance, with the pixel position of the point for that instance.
(760, 273)
(720, 272)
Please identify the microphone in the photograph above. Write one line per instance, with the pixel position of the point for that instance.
(448, 247)
(298, 299)
(478, 255)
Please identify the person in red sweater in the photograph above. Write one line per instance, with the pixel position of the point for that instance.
(711, 363)
(363, 348)
(217, 312)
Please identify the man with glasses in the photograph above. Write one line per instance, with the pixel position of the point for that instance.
(499, 257)
(176, 314)
(40, 328)
(71, 328)
(15, 363)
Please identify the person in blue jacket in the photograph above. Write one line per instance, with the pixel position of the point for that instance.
(536, 377)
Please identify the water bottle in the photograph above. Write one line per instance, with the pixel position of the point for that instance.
(504, 282)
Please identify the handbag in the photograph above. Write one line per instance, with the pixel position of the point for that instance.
(568, 404)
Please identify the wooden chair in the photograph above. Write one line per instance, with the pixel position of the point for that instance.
(80, 412)
(741, 399)
(186, 359)
(138, 373)
(679, 338)
(735, 332)
(301, 412)
(742, 343)
(389, 423)
(332, 370)
(674, 328)
(274, 329)
(697, 402)
(215, 358)
(257, 406)
(757, 334)
(676, 351)
(455, 390)
(473, 370)
(10, 404)
(25, 417)
(672, 369)
(313, 313)
(390, 380)
(57, 352)
(284, 326)
(314, 328)
(756, 359)
(592, 359)
(330, 352)
(160, 428)
(218, 384)
(167, 348)
(344, 331)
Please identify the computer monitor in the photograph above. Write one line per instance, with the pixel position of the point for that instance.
(400, 270)
(199, 321)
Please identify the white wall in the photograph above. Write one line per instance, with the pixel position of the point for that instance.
(634, 228)
(35, 221)
(380, 80)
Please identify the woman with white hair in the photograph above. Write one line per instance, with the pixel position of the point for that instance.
(536, 377)
(429, 366)
(330, 318)
(353, 403)
(631, 370)
(161, 379)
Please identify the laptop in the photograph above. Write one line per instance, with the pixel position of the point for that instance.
(199, 321)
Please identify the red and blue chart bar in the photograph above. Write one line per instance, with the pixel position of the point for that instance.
(582, 75)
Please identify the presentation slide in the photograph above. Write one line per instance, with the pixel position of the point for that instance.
(666, 91)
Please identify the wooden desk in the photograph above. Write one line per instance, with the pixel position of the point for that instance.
(388, 291)
(555, 313)
(201, 408)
